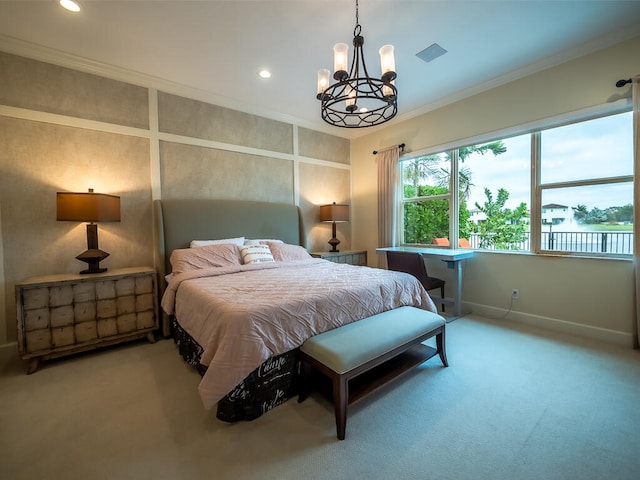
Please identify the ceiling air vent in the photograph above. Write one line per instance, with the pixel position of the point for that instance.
(430, 53)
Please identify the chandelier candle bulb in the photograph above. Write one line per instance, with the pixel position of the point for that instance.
(387, 62)
(351, 99)
(340, 60)
(387, 91)
(323, 81)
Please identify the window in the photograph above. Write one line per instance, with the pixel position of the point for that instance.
(498, 193)
(582, 203)
(586, 183)
(426, 200)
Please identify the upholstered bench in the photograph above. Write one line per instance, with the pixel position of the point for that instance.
(349, 351)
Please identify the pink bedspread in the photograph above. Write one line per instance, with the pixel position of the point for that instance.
(243, 315)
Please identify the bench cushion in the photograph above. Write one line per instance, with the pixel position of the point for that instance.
(352, 345)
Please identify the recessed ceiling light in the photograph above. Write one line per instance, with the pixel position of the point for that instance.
(70, 5)
(264, 73)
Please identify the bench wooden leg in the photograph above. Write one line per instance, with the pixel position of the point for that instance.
(440, 344)
(340, 401)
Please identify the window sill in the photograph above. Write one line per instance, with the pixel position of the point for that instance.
(549, 254)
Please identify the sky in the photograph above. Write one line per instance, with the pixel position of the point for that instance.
(587, 150)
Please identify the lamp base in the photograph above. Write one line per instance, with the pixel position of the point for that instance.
(334, 243)
(96, 270)
(92, 258)
(334, 240)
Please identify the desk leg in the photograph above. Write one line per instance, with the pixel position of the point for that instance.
(457, 300)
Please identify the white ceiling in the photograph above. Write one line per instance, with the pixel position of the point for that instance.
(217, 47)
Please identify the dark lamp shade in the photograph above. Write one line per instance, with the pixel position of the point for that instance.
(334, 213)
(87, 207)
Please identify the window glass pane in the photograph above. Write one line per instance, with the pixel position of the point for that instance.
(495, 193)
(424, 176)
(425, 221)
(589, 219)
(597, 148)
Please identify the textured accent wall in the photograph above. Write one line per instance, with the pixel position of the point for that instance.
(48, 88)
(66, 130)
(321, 145)
(320, 185)
(211, 173)
(191, 118)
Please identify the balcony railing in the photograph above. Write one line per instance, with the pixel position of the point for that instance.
(581, 242)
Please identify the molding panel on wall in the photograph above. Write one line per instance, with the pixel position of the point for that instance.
(320, 145)
(44, 87)
(211, 173)
(192, 118)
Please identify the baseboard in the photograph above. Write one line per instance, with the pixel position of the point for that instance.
(13, 345)
(9, 349)
(554, 324)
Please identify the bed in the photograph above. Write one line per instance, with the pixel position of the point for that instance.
(239, 319)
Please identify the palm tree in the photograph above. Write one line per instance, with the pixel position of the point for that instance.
(418, 169)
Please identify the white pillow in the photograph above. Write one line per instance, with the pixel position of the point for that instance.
(203, 243)
(261, 241)
(256, 254)
(283, 252)
(186, 259)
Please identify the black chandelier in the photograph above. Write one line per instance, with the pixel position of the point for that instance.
(356, 101)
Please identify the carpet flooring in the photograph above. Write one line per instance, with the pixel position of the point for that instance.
(515, 403)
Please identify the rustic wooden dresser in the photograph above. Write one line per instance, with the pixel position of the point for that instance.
(68, 313)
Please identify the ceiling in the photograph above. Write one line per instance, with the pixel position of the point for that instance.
(215, 48)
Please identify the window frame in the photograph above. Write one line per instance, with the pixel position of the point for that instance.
(535, 130)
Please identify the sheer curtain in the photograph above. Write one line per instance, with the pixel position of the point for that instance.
(636, 198)
(387, 197)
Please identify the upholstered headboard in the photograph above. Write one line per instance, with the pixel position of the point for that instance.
(178, 221)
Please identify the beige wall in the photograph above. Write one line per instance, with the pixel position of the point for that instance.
(66, 130)
(581, 296)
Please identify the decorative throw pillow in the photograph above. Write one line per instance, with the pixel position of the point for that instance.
(284, 252)
(186, 259)
(203, 243)
(256, 254)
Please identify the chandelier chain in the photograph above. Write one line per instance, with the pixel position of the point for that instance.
(357, 29)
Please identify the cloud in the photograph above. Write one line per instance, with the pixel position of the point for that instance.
(600, 148)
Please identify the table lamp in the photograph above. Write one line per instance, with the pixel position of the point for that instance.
(89, 207)
(334, 213)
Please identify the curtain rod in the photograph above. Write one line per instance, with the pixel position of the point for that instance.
(622, 83)
(375, 152)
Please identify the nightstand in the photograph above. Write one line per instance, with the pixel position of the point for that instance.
(352, 257)
(68, 313)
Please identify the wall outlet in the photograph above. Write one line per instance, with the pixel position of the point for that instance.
(515, 293)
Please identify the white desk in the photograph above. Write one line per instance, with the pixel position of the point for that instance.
(453, 257)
